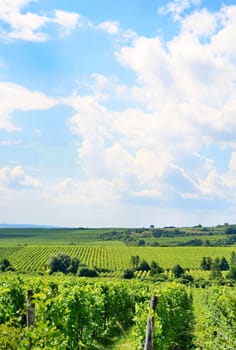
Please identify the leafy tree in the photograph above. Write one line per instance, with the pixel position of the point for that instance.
(231, 229)
(135, 261)
(177, 271)
(128, 274)
(224, 266)
(141, 242)
(5, 266)
(144, 266)
(155, 268)
(215, 269)
(206, 263)
(233, 259)
(74, 264)
(63, 263)
(232, 273)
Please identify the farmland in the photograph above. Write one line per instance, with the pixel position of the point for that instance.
(30, 250)
(116, 258)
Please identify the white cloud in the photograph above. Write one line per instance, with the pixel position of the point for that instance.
(16, 178)
(110, 27)
(177, 7)
(208, 25)
(29, 26)
(15, 97)
(67, 20)
(26, 26)
(185, 100)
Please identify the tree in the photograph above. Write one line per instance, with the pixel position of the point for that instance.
(206, 263)
(128, 274)
(233, 259)
(63, 263)
(5, 266)
(224, 266)
(177, 271)
(141, 242)
(232, 273)
(215, 269)
(155, 268)
(144, 266)
(135, 261)
(74, 264)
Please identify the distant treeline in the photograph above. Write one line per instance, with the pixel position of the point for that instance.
(137, 236)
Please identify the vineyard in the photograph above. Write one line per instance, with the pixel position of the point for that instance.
(113, 258)
(85, 314)
(77, 313)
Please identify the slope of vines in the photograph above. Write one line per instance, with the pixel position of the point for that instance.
(114, 258)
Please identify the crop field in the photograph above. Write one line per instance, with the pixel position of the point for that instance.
(51, 236)
(173, 241)
(115, 258)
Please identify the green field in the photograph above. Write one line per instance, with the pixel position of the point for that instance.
(30, 250)
(51, 236)
(117, 258)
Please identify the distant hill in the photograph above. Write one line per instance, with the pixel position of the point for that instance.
(25, 226)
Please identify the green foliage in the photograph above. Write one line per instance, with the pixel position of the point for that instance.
(143, 266)
(63, 263)
(215, 269)
(232, 273)
(218, 327)
(141, 242)
(224, 266)
(173, 322)
(177, 271)
(155, 268)
(87, 272)
(135, 261)
(5, 265)
(233, 259)
(128, 274)
(206, 263)
(68, 315)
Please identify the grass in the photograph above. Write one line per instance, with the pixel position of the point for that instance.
(51, 236)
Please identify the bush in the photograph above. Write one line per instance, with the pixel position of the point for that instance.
(232, 273)
(87, 272)
(177, 271)
(5, 266)
(186, 279)
(128, 274)
(144, 266)
(155, 269)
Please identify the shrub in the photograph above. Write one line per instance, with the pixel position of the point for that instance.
(87, 272)
(177, 271)
(128, 274)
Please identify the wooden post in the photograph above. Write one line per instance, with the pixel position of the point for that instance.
(30, 309)
(149, 341)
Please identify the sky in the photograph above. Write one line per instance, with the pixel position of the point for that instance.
(117, 113)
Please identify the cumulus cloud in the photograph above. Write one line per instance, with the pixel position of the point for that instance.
(29, 26)
(67, 20)
(185, 102)
(177, 7)
(16, 178)
(15, 97)
(110, 27)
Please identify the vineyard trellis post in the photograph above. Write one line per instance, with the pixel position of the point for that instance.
(30, 316)
(149, 341)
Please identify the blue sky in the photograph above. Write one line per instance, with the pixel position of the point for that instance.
(117, 113)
